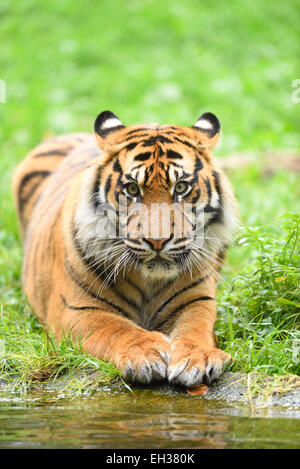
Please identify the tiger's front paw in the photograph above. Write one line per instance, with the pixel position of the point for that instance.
(145, 359)
(190, 364)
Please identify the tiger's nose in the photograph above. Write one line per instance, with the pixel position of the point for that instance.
(156, 244)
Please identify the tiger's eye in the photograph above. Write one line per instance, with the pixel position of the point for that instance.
(132, 188)
(181, 187)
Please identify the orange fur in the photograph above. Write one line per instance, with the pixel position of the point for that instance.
(152, 326)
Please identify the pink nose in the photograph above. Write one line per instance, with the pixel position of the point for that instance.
(156, 244)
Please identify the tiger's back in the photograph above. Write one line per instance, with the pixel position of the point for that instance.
(34, 171)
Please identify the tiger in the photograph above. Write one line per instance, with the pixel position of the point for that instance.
(144, 301)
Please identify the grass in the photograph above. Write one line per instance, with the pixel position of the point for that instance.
(30, 356)
(259, 320)
(264, 388)
(165, 61)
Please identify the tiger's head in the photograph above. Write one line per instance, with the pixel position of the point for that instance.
(157, 189)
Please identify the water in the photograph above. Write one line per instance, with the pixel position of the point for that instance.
(145, 419)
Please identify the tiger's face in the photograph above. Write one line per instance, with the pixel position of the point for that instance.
(172, 207)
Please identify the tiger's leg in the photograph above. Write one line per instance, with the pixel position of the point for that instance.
(139, 354)
(194, 356)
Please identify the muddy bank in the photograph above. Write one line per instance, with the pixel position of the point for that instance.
(243, 388)
(257, 392)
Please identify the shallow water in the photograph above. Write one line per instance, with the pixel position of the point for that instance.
(144, 419)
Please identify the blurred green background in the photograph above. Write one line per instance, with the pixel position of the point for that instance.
(161, 61)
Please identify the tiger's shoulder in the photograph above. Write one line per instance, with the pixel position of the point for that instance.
(47, 167)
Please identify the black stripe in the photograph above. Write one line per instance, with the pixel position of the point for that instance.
(172, 131)
(117, 166)
(127, 300)
(142, 156)
(77, 307)
(159, 151)
(137, 250)
(208, 188)
(179, 240)
(131, 146)
(176, 165)
(107, 185)
(163, 139)
(185, 246)
(198, 165)
(135, 241)
(149, 142)
(200, 298)
(24, 181)
(134, 131)
(209, 209)
(177, 310)
(217, 182)
(118, 188)
(167, 175)
(138, 166)
(174, 155)
(134, 285)
(158, 138)
(86, 289)
(53, 153)
(146, 176)
(51, 237)
(90, 262)
(134, 137)
(160, 290)
(95, 193)
(218, 217)
(196, 196)
(188, 287)
(185, 142)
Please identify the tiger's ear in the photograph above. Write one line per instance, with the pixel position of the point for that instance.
(106, 123)
(208, 129)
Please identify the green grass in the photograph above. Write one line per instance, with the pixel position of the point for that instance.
(259, 309)
(165, 62)
(29, 355)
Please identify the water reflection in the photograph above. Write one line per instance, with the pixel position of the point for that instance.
(144, 419)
